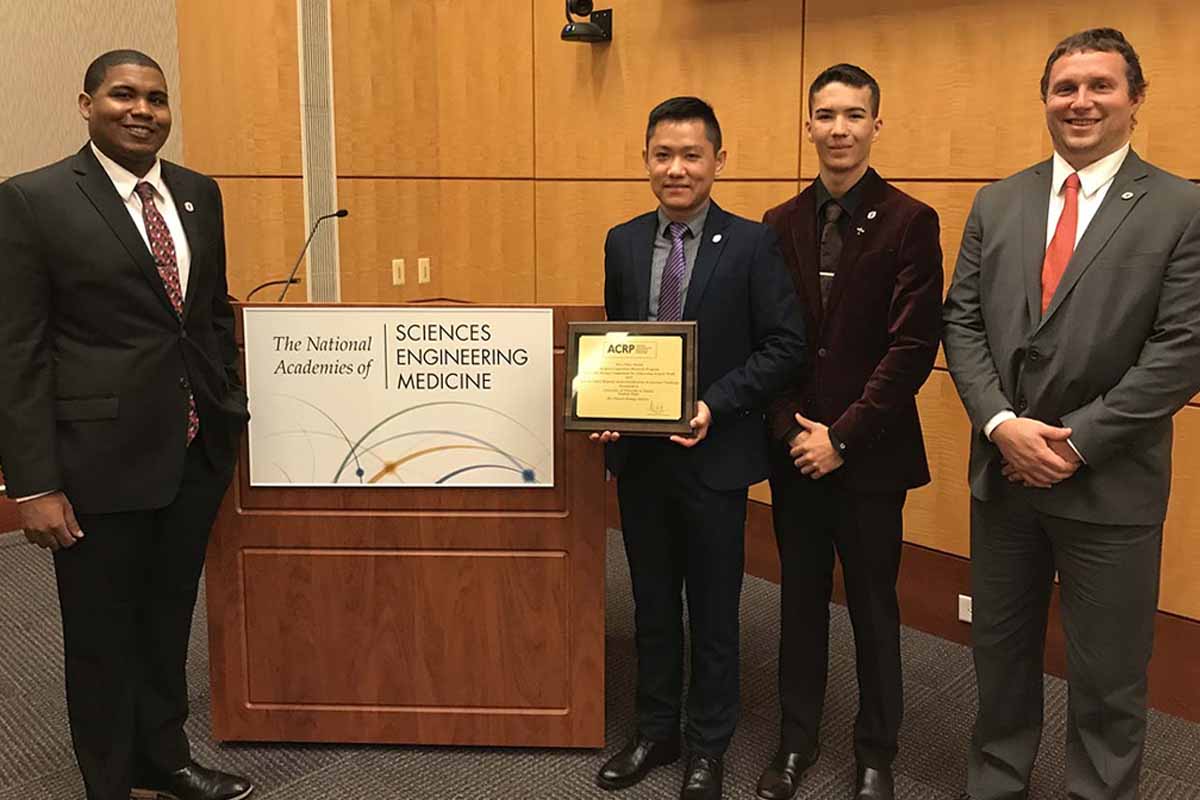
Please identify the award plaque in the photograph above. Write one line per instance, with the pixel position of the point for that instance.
(631, 377)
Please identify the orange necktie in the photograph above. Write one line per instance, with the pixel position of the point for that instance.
(1063, 244)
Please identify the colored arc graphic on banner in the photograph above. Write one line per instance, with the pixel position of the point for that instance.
(356, 447)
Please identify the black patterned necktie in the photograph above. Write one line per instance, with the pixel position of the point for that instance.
(831, 248)
(162, 247)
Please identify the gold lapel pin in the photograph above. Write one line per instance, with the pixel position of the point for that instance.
(871, 214)
(716, 238)
(1127, 196)
(187, 205)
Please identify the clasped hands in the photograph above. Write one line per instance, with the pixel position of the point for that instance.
(1035, 454)
(699, 425)
(49, 521)
(812, 450)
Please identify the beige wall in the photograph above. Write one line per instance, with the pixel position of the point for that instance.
(505, 156)
(46, 45)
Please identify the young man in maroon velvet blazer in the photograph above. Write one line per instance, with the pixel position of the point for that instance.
(847, 443)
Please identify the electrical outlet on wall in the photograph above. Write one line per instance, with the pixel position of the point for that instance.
(397, 272)
(964, 608)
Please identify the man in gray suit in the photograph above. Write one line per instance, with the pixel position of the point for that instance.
(1072, 331)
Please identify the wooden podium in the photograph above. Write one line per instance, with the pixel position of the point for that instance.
(468, 616)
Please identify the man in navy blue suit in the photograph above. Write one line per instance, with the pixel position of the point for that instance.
(683, 500)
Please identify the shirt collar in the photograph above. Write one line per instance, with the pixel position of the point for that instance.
(849, 201)
(125, 181)
(695, 223)
(1093, 176)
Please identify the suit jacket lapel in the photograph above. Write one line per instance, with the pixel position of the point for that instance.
(181, 192)
(855, 243)
(1112, 212)
(98, 188)
(641, 256)
(804, 240)
(1034, 218)
(706, 258)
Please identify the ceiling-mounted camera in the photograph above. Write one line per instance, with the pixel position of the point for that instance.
(597, 28)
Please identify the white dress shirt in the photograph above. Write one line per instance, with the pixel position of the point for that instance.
(1094, 181)
(125, 182)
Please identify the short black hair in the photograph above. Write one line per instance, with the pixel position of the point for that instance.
(682, 109)
(1099, 40)
(849, 74)
(94, 76)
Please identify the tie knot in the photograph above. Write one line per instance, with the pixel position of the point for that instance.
(1072, 184)
(833, 211)
(676, 230)
(144, 191)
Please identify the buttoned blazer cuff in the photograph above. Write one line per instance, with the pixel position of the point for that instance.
(839, 446)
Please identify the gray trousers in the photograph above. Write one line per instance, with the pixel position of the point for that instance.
(1108, 576)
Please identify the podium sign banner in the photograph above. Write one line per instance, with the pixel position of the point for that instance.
(373, 397)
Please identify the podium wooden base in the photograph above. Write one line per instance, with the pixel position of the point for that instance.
(463, 616)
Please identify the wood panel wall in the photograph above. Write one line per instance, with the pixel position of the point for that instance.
(479, 140)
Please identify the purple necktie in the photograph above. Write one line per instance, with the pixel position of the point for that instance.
(162, 247)
(670, 296)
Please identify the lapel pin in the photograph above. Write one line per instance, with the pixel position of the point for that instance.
(716, 238)
(861, 231)
(1127, 196)
(187, 205)
(871, 214)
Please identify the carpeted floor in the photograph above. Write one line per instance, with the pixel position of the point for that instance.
(36, 762)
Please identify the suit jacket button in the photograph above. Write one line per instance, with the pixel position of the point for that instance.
(821, 353)
(1034, 355)
(183, 333)
(1021, 404)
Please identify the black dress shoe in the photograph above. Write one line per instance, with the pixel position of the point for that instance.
(193, 782)
(703, 779)
(875, 784)
(781, 779)
(635, 759)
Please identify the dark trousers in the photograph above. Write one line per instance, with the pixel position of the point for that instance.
(812, 518)
(1108, 576)
(680, 533)
(127, 592)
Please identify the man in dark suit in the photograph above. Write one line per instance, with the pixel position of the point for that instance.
(683, 501)
(867, 267)
(1072, 331)
(120, 415)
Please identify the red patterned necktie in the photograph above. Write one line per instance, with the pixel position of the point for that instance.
(1058, 254)
(162, 247)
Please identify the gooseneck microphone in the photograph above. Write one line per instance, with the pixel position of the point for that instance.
(341, 212)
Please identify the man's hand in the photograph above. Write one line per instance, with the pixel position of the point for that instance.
(699, 424)
(812, 451)
(604, 437)
(49, 521)
(1034, 452)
